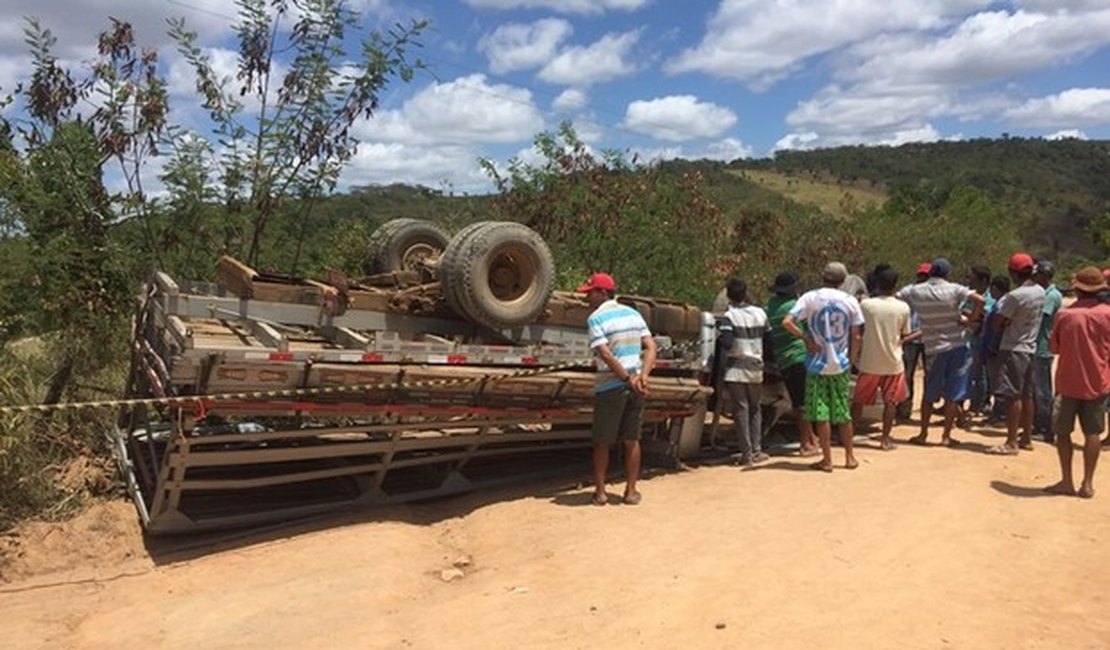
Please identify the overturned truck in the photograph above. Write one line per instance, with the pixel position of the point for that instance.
(452, 365)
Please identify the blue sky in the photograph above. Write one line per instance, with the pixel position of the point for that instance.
(665, 78)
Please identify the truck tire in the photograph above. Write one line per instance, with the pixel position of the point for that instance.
(400, 245)
(497, 273)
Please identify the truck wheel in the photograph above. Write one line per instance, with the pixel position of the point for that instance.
(401, 244)
(497, 273)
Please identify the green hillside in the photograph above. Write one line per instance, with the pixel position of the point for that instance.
(1054, 188)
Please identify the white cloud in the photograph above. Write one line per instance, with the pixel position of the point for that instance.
(1061, 5)
(466, 110)
(1075, 106)
(985, 47)
(563, 6)
(571, 99)
(604, 60)
(678, 118)
(725, 150)
(384, 163)
(887, 90)
(1067, 134)
(77, 25)
(518, 46)
(798, 141)
(762, 41)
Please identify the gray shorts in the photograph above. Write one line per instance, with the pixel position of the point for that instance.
(618, 414)
(1012, 374)
(1091, 412)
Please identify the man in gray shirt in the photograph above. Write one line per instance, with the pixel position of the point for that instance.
(1012, 373)
(948, 356)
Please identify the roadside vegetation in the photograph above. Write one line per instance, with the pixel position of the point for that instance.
(261, 186)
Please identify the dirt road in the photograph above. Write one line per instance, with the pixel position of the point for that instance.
(918, 548)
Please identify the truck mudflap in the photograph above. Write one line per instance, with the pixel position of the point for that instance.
(297, 409)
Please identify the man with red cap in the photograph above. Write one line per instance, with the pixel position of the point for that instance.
(1019, 319)
(626, 354)
(1081, 338)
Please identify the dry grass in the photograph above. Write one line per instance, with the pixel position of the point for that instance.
(39, 456)
(827, 193)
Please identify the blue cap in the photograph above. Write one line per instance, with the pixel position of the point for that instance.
(940, 268)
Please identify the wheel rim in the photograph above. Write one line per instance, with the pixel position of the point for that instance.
(512, 273)
(415, 255)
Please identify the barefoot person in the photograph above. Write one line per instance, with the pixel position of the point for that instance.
(789, 354)
(1019, 318)
(948, 355)
(1081, 336)
(886, 330)
(626, 354)
(832, 338)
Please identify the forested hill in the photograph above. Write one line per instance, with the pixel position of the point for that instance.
(1055, 187)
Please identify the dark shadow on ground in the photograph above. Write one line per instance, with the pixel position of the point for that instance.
(563, 489)
(1023, 491)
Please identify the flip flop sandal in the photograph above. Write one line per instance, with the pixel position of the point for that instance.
(632, 499)
(599, 499)
(821, 466)
(1002, 450)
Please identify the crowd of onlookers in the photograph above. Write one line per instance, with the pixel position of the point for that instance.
(987, 348)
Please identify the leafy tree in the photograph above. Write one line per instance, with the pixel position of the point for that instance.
(285, 132)
(964, 224)
(656, 232)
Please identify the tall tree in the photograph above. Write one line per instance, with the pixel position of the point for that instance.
(285, 131)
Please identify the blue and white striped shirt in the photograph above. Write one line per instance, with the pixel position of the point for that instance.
(620, 327)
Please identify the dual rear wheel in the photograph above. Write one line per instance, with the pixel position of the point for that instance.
(498, 274)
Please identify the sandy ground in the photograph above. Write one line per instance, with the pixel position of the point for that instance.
(918, 548)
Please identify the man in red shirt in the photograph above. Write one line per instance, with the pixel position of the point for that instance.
(1082, 339)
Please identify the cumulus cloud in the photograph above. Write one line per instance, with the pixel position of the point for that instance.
(571, 99)
(762, 41)
(467, 110)
(516, 46)
(1067, 134)
(563, 6)
(796, 141)
(985, 47)
(678, 118)
(1075, 106)
(77, 30)
(1061, 5)
(889, 88)
(382, 163)
(725, 150)
(582, 66)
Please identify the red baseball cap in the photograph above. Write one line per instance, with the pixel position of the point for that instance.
(599, 281)
(1021, 262)
(924, 268)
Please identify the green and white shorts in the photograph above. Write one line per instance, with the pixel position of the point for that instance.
(828, 398)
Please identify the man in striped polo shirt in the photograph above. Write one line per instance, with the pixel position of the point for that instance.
(626, 353)
(948, 355)
(742, 334)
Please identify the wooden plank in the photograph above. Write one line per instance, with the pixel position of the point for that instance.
(236, 277)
